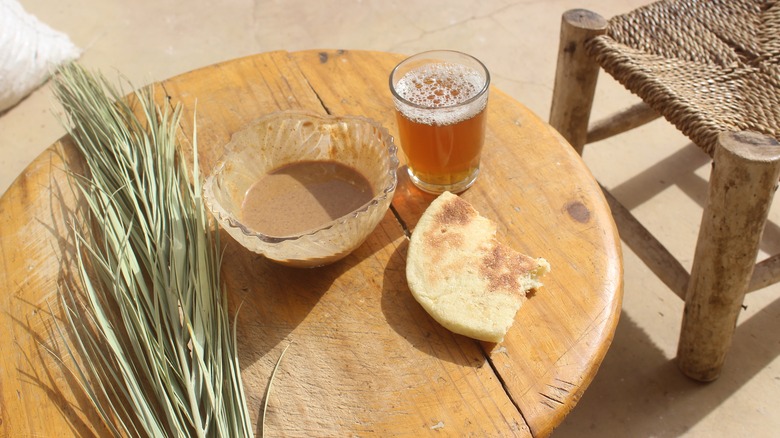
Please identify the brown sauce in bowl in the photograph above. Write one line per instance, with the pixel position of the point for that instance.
(302, 196)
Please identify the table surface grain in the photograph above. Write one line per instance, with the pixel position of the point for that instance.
(364, 358)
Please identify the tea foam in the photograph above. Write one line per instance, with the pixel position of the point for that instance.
(435, 91)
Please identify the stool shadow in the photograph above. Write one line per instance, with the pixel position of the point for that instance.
(678, 169)
(640, 392)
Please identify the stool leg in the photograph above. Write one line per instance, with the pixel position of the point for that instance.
(575, 76)
(744, 177)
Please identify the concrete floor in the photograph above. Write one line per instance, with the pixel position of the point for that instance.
(638, 391)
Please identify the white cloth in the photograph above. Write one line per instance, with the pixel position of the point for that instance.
(29, 52)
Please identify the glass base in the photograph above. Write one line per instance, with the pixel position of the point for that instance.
(437, 189)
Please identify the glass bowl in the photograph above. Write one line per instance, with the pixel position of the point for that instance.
(289, 137)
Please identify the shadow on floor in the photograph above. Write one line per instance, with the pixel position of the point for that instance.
(638, 392)
(679, 169)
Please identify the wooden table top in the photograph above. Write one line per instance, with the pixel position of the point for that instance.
(364, 357)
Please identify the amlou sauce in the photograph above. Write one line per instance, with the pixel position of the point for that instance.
(442, 142)
(302, 196)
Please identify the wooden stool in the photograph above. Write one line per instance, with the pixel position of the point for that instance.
(664, 52)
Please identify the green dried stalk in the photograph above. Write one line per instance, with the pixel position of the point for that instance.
(157, 352)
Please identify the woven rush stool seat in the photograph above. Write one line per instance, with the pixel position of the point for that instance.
(712, 69)
(706, 66)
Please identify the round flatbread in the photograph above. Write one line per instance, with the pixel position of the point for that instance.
(462, 276)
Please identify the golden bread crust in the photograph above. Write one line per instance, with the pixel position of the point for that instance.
(463, 276)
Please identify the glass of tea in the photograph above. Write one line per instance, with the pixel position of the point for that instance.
(440, 101)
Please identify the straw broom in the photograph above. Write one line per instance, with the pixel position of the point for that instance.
(149, 322)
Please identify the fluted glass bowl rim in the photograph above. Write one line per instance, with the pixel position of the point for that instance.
(227, 218)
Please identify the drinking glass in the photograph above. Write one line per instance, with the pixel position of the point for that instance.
(440, 102)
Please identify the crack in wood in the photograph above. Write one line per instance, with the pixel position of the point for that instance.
(400, 220)
(552, 399)
(503, 385)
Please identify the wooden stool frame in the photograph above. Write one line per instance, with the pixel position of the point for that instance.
(746, 167)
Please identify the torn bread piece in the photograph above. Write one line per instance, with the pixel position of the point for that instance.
(466, 279)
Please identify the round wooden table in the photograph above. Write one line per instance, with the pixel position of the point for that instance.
(364, 358)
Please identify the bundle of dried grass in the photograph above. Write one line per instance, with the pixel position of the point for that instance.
(153, 347)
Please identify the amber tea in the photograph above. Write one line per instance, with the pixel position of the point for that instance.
(441, 100)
